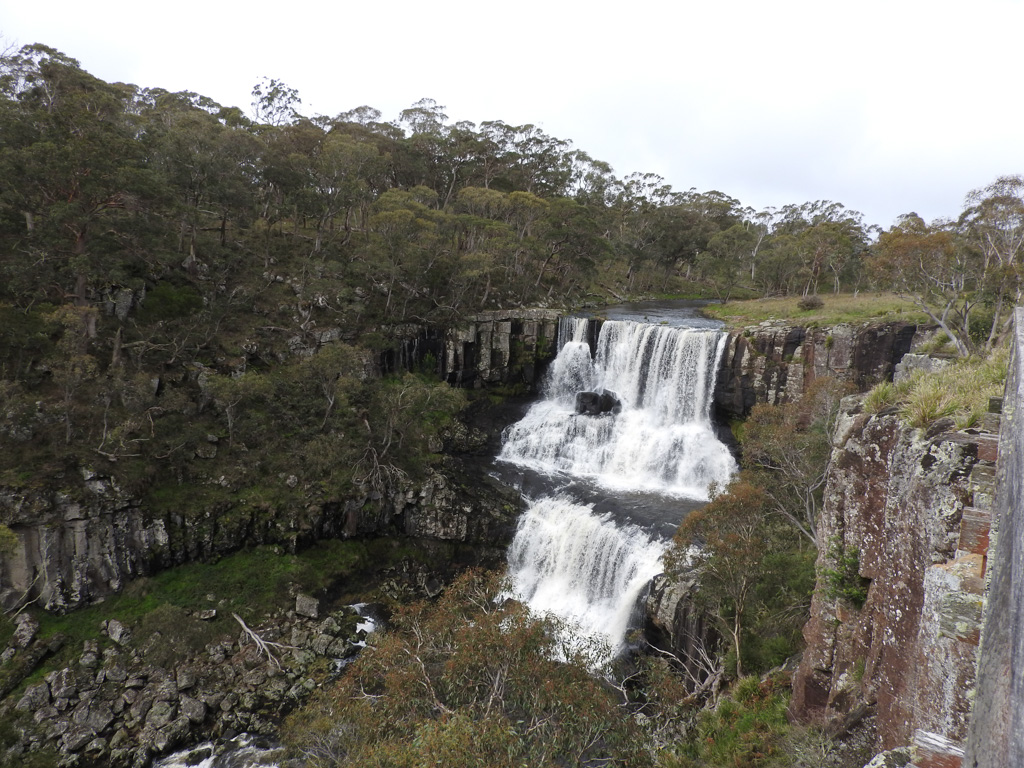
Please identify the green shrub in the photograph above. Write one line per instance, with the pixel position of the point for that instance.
(844, 582)
(810, 303)
(748, 729)
(169, 302)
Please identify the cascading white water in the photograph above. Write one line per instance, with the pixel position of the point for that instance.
(582, 568)
(662, 440)
(565, 559)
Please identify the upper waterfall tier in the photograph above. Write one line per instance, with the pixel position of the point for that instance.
(661, 440)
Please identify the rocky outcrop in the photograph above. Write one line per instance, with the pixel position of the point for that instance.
(775, 361)
(675, 623)
(996, 736)
(900, 634)
(596, 403)
(509, 347)
(115, 707)
(88, 540)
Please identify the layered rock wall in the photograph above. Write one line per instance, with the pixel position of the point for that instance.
(775, 361)
(912, 507)
(996, 736)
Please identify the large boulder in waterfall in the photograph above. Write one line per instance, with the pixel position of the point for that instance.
(596, 403)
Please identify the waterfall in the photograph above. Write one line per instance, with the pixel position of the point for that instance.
(581, 566)
(662, 440)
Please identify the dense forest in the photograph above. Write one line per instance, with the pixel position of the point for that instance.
(152, 242)
(142, 231)
(195, 300)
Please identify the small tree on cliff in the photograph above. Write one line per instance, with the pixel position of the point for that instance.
(728, 540)
(789, 449)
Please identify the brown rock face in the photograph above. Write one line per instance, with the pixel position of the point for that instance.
(896, 498)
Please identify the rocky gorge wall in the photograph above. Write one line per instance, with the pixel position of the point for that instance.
(913, 508)
(84, 537)
(72, 550)
(80, 536)
(775, 361)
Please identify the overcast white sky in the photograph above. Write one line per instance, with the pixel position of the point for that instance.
(887, 106)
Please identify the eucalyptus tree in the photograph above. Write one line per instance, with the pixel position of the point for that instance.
(993, 223)
(639, 212)
(826, 237)
(274, 102)
(341, 174)
(75, 171)
(722, 264)
(524, 158)
(685, 224)
(206, 155)
(932, 265)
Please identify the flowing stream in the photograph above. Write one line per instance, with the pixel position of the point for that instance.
(618, 481)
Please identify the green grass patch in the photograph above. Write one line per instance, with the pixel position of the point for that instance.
(835, 310)
(253, 583)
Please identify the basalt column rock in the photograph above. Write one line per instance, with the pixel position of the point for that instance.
(90, 538)
(774, 362)
(508, 347)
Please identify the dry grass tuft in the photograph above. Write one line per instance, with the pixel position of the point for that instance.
(960, 392)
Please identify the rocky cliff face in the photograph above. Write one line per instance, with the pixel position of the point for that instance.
(996, 735)
(87, 540)
(507, 347)
(81, 536)
(912, 508)
(773, 362)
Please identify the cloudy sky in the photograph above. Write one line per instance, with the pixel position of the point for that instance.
(885, 106)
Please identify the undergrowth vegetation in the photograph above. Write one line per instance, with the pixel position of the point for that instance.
(960, 391)
(468, 681)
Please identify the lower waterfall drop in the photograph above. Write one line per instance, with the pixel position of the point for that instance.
(583, 568)
(586, 568)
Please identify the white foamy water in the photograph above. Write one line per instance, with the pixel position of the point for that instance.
(582, 568)
(662, 440)
(241, 752)
(566, 560)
